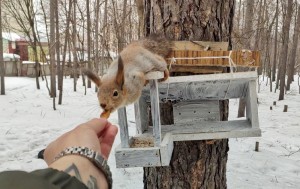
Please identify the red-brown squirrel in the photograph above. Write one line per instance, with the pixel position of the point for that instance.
(125, 78)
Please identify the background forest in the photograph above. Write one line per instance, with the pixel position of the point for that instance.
(94, 31)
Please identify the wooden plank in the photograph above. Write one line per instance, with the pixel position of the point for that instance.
(166, 149)
(138, 121)
(200, 45)
(196, 69)
(155, 112)
(196, 110)
(224, 76)
(206, 87)
(142, 141)
(210, 130)
(137, 157)
(141, 116)
(249, 132)
(206, 127)
(241, 58)
(122, 118)
(189, 54)
(251, 105)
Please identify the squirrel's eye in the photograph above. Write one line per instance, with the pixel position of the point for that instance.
(115, 93)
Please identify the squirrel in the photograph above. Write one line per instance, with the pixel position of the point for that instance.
(125, 78)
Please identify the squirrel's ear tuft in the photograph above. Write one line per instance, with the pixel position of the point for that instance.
(93, 77)
(120, 74)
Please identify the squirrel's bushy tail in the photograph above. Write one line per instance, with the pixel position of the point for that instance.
(158, 44)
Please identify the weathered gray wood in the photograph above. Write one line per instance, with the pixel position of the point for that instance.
(166, 149)
(141, 118)
(243, 132)
(212, 128)
(196, 115)
(196, 110)
(138, 121)
(137, 157)
(247, 76)
(155, 112)
(206, 87)
(154, 75)
(122, 118)
(251, 105)
(210, 90)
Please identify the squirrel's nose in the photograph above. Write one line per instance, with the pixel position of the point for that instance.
(103, 105)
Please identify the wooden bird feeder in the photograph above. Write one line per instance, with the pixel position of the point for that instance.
(195, 101)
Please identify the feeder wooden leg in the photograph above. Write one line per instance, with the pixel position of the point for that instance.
(155, 111)
(123, 127)
(141, 117)
(251, 106)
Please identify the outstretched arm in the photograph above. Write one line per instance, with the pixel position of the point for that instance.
(97, 135)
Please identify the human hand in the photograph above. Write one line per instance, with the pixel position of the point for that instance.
(97, 134)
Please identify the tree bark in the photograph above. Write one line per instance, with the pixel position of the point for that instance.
(67, 35)
(96, 58)
(31, 17)
(140, 11)
(283, 60)
(74, 44)
(292, 60)
(59, 68)
(104, 40)
(275, 44)
(2, 72)
(194, 164)
(53, 5)
(248, 30)
(89, 85)
(259, 26)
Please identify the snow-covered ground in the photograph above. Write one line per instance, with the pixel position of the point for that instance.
(28, 123)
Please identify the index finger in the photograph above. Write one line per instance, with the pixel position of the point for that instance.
(98, 125)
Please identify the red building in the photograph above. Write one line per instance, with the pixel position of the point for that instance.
(15, 44)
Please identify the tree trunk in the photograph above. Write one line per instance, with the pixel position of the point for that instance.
(194, 164)
(239, 16)
(57, 50)
(292, 60)
(248, 30)
(67, 34)
(259, 26)
(88, 40)
(52, 50)
(140, 11)
(2, 72)
(74, 44)
(96, 58)
(275, 44)
(283, 60)
(104, 40)
(35, 41)
(121, 34)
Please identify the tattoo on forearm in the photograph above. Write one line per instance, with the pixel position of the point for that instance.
(91, 183)
(74, 169)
